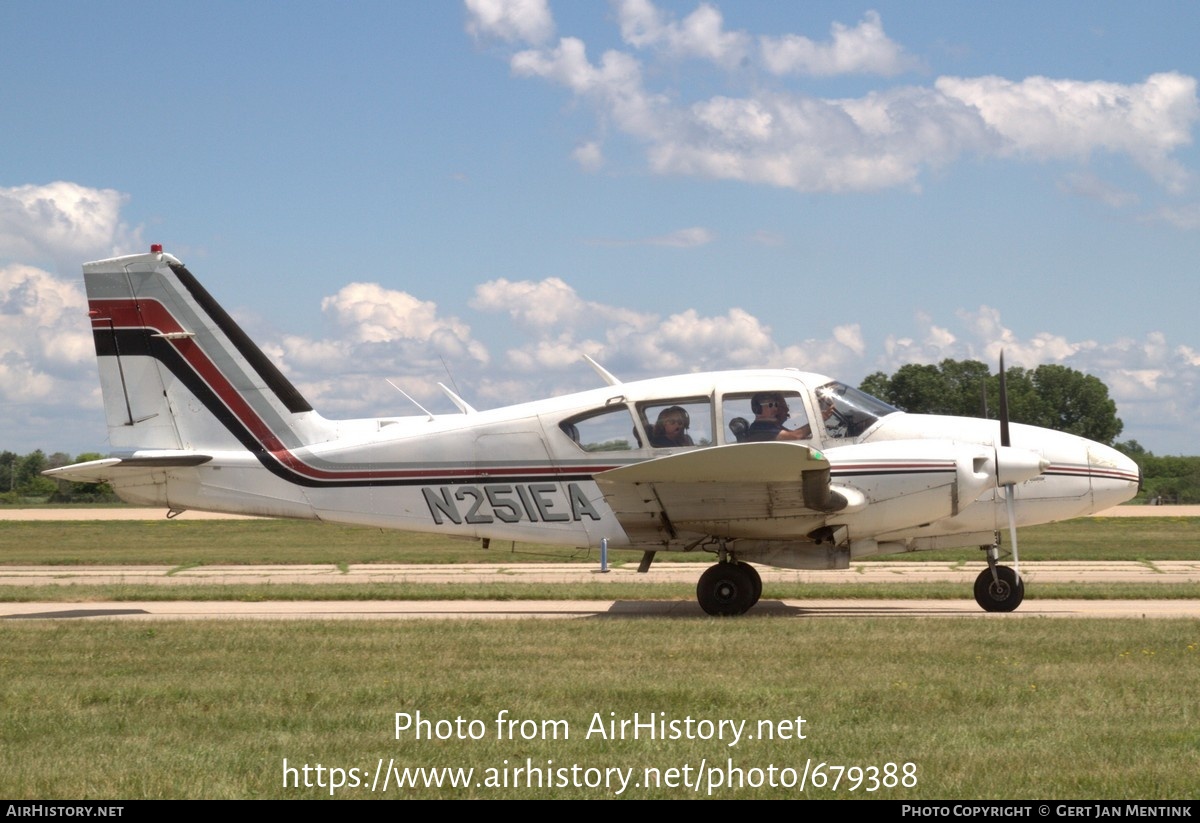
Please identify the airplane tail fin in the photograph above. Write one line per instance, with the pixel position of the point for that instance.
(178, 375)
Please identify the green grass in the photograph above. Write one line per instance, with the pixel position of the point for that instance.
(182, 542)
(215, 542)
(1028, 709)
(504, 591)
(985, 709)
(185, 544)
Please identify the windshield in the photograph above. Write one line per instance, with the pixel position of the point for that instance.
(854, 411)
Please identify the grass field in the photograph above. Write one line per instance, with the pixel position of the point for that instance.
(1020, 709)
(981, 709)
(189, 542)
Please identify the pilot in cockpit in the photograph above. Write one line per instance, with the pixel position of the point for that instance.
(770, 412)
(826, 405)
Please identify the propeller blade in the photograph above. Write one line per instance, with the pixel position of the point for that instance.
(1009, 489)
(1005, 440)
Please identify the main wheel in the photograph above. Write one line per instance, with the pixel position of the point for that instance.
(756, 579)
(726, 589)
(1003, 594)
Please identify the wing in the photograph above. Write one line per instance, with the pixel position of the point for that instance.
(774, 490)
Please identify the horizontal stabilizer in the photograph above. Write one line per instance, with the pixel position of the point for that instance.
(104, 470)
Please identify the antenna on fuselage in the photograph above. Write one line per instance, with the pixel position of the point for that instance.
(463, 405)
(608, 377)
(410, 398)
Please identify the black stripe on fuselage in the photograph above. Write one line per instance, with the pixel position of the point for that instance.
(141, 342)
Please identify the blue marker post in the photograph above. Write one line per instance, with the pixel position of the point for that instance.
(604, 555)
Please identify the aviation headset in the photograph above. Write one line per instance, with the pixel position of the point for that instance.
(680, 411)
(756, 402)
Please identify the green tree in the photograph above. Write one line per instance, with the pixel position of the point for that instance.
(8, 470)
(29, 479)
(1077, 403)
(1051, 396)
(876, 385)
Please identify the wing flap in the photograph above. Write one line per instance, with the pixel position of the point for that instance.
(761, 490)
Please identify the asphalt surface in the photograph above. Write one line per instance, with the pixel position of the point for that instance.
(580, 609)
(65, 576)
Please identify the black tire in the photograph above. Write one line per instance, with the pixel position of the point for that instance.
(756, 579)
(1001, 595)
(726, 589)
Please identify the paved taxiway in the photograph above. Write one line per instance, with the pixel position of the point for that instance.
(61, 578)
(963, 573)
(580, 609)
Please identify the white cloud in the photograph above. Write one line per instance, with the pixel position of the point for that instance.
(1155, 385)
(378, 333)
(1089, 186)
(526, 21)
(548, 304)
(1055, 118)
(373, 314)
(777, 136)
(45, 336)
(700, 35)
(64, 223)
(863, 49)
(539, 305)
(684, 238)
(1182, 217)
(589, 156)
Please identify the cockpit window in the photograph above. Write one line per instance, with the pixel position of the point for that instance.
(848, 412)
(678, 422)
(609, 430)
(764, 415)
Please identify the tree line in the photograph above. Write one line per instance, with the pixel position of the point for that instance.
(22, 481)
(1051, 396)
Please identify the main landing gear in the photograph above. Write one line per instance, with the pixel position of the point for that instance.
(729, 588)
(998, 588)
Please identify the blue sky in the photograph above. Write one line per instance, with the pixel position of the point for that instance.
(479, 193)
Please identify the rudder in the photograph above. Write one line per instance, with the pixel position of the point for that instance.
(177, 372)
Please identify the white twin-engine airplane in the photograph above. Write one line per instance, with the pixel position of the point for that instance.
(199, 418)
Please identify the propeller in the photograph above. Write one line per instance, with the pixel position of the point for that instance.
(1009, 488)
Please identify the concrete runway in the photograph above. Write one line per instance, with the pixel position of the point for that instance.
(66, 576)
(579, 609)
(62, 578)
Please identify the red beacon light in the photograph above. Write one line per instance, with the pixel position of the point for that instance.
(156, 248)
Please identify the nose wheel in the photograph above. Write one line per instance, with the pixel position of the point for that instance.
(728, 589)
(999, 592)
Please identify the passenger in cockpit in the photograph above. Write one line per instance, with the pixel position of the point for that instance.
(671, 428)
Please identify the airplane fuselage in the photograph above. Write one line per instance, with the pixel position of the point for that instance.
(779, 466)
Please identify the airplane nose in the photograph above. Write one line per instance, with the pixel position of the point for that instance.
(1115, 477)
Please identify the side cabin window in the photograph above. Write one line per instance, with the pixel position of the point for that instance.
(678, 422)
(607, 430)
(764, 415)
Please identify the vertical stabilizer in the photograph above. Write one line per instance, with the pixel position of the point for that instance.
(177, 372)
